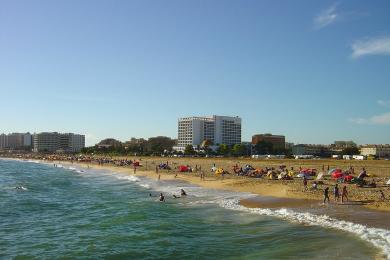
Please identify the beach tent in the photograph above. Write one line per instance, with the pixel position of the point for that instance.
(219, 171)
(282, 175)
(248, 167)
(336, 175)
(348, 178)
(301, 175)
(291, 173)
(183, 168)
(308, 171)
(272, 175)
(334, 170)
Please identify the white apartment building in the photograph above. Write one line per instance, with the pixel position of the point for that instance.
(76, 142)
(15, 141)
(375, 150)
(58, 142)
(217, 129)
(3, 141)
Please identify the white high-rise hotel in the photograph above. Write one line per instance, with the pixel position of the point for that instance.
(217, 129)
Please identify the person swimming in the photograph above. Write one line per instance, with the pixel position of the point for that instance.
(162, 198)
(20, 188)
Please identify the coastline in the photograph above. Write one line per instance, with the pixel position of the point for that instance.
(272, 196)
(291, 209)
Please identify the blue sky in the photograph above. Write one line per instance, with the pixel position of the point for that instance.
(315, 71)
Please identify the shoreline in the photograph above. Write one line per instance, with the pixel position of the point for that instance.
(369, 197)
(291, 209)
(280, 194)
(267, 197)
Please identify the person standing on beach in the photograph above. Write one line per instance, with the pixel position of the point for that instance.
(383, 198)
(159, 176)
(336, 192)
(326, 195)
(344, 194)
(304, 183)
(156, 169)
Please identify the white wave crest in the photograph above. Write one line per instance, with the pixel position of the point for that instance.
(377, 236)
(129, 178)
(147, 186)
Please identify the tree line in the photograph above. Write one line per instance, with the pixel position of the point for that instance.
(139, 146)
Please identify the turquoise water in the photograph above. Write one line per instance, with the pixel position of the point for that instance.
(90, 214)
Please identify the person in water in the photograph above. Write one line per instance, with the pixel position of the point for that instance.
(326, 195)
(182, 192)
(162, 198)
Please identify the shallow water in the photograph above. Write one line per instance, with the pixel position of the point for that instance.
(74, 213)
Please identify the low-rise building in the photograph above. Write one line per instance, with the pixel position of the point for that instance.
(278, 141)
(338, 146)
(375, 150)
(311, 149)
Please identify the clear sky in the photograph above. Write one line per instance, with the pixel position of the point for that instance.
(315, 71)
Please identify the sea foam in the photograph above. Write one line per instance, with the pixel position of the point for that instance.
(377, 236)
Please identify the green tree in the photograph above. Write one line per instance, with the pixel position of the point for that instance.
(350, 151)
(223, 149)
(189, 150)
(264, 147)
(157, 145)
(239, 150)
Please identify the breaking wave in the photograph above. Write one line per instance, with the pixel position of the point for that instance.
(377, 236)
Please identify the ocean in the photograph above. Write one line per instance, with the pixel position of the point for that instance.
(70, 212)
